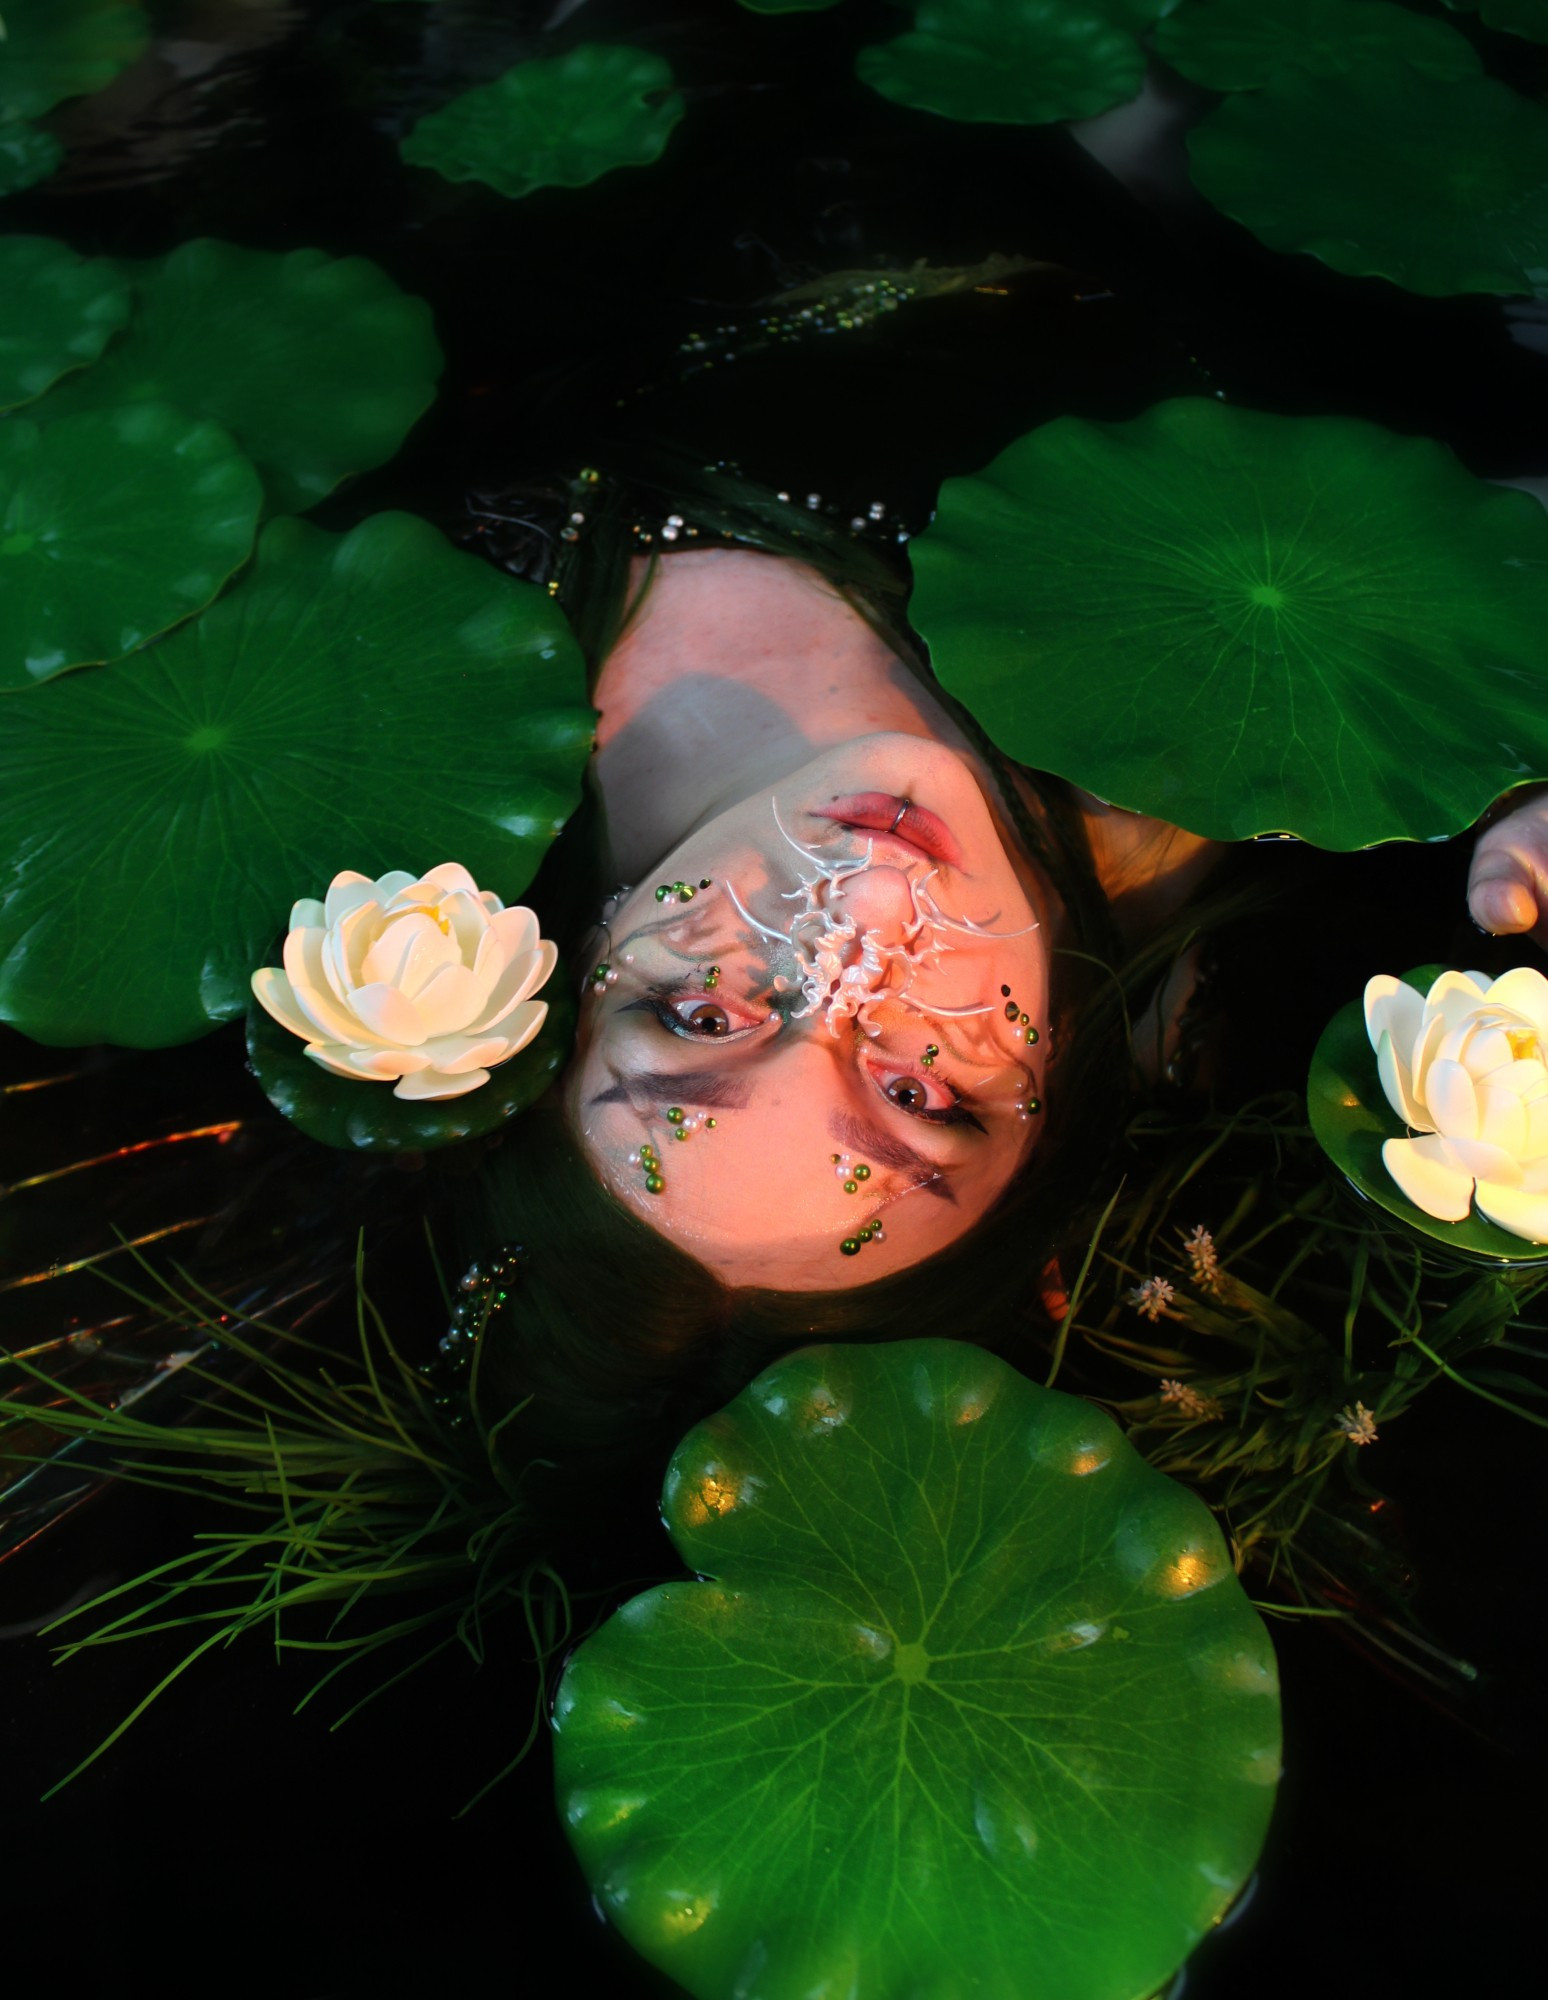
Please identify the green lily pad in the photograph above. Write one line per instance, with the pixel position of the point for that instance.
(61, 310)
(971, 1703)
(367, 1118)
(1240, 44)
(558, 121)
(1518, 17)
(1351, 1118)
(317, 365)
(27, 155)
(353, 700)
(113, 528)
(54, 49)
(1006, 62)
(1381, 172)
(1245, 623)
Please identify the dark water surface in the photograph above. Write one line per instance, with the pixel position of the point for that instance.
(224, 1848)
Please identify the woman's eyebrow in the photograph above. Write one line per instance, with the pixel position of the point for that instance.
(888, 1151)
(705, 1087)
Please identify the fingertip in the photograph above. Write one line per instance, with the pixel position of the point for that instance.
(1503, 906)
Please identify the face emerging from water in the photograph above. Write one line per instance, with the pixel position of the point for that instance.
(827, 1064)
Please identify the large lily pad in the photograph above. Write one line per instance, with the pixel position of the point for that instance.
(558, 121)
(113, 528)
(317, 365)
(54, 49)
(1240, 44)
(1349, 1113)
(27, 155)
(1380, 172)
(1246, 624)
(365, 1117)
(352, 701)
(1006, 62)
(970, 1705)
(61, 310)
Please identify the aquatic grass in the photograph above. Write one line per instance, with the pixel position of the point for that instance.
(368, 1507)
(1276, 1345)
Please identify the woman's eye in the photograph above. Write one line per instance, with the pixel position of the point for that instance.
(917, 1097)
(704, 1017)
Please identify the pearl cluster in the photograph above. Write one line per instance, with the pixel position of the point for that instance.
(848, 1173)
(683, 891)
(482, 1291)
(602, 977)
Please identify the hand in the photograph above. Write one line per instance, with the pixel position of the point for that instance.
(1507, 885)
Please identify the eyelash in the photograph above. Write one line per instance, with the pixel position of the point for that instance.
(660, 1002)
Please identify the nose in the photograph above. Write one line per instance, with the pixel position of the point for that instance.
(879, 899)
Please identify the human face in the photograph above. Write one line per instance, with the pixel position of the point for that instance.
(788, 1012)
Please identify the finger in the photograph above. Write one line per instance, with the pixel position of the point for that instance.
(1501, 894)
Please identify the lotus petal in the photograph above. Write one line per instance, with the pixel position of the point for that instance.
(524, 1024)
(389, 1016)
(1487, 1050)
(436, 1083)
(470, 924)
(1521, 1213)
(1535, 1145)
(1428, 1178)
(452, 876)
(347, 891)
(429, 951)
(386, 1062)
(1454, 995)
(1427, 1048)
(335, 1022)
(347, 943)
(307, 914)
(1451, 1100)
(272, 991)
(449, 1001)
(1483, 1161)
(1392, 1007)
(1395, 1081)
(1502, 1119)
(1524, 991)
(331, 1056)
(526, 975)
(517, 930)
(455, 1054)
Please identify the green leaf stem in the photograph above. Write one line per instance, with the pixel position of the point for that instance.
(317, 365)
(1240, 44)
(1007, 62)
(1245, 623)
(54, 49)
(1349, 1113)
(968, 1703)
(558, 121)
(61, 310)
(1440, 187)
(368, 701)
(113, 528)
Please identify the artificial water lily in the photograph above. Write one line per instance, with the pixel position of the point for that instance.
(423, 979)
(1465, 1066)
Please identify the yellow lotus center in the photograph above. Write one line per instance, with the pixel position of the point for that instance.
(429, 910)
(1524, 1045)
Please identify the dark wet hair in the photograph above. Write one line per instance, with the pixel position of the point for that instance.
(621, 1339)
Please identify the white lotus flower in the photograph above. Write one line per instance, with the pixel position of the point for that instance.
(424, 979)
(1466, 1067)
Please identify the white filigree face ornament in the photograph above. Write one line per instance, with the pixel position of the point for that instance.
(844, 972)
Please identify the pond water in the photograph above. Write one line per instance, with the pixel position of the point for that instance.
(224, 1844)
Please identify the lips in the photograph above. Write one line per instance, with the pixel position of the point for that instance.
(913, 826)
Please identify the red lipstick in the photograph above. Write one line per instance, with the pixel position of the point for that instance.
(914, 826)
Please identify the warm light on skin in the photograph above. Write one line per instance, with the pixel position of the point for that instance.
(757, 1198)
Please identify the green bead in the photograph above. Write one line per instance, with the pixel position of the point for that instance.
(674, 1114)
(851, 1187)
(868, 1232)
(1034, 1104)
(850, 1246)
(662, 892)
(709, 1124)
(862, 1173)
(655, 1184)
(681, 1133)
(1031, 1035)
(704, 881)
